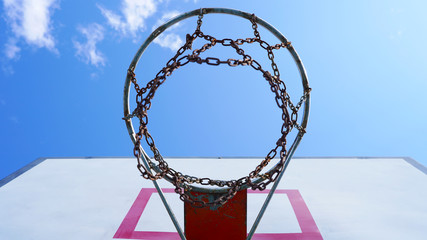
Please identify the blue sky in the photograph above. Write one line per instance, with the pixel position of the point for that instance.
(63, 65)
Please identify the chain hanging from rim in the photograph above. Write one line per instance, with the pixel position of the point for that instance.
(144, 95)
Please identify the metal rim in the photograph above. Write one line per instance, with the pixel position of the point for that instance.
(205, 11)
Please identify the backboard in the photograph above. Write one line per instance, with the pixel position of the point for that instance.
(318, 198)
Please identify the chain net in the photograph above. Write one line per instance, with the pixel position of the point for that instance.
(144, 95)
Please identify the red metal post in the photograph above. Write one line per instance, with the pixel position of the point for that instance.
(227, 222)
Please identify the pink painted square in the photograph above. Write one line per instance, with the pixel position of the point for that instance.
(309, 230)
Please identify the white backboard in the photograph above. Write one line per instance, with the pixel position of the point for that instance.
(318, 198)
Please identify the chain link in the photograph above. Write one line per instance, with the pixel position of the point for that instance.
(145, 94)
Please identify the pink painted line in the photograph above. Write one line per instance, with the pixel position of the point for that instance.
(127, 228)
(155, 235)
(309, 230)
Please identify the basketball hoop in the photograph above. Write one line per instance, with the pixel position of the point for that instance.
(223, 190)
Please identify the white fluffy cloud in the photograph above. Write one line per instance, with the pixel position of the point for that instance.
(11, 50)
(134, 13)
(29, 20)
(87, 51)
(132, 18)
(166, 17)
(168, 39)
